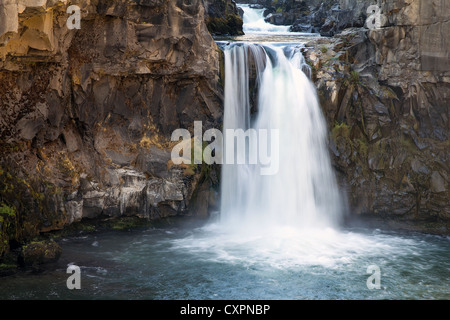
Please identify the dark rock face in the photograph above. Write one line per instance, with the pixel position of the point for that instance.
(330, 17)
(87, 115)
(388, 117)
(223, 17)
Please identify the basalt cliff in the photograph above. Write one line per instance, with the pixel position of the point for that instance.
(385, 92)
(87, 111)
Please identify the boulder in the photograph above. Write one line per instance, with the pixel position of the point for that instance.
(40, 252)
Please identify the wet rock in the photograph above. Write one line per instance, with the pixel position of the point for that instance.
(40, 252)
(93, 203)
(203, 200)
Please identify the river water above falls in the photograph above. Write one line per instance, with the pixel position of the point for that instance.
(278, 236)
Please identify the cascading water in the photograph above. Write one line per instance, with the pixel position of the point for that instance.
(303, 192)
(254, 22)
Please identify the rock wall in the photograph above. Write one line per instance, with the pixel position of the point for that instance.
(86, 115)
(223, 18)
(385, 93)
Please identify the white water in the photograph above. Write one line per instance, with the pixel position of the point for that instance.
(303, 193)
(254, 22)
(291, 217)
(286, 227)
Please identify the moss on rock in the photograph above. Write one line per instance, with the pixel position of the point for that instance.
(40, 252)
(7, 226)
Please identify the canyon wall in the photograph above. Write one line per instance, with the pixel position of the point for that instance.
(87, 114)
(386, 95)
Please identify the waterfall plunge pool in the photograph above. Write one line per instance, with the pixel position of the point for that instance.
(211, 262)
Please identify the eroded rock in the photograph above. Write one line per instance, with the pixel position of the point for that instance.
(387, 111)
(87, 114)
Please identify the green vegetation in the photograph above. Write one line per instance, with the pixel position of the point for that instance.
(407, 144)
(221, 68)
(362, 148)
(6, 210)
(359, 145)
(340, 130)
(127, 223)
(7, 226)
(25, 204)
(7, 269)
(355, 78)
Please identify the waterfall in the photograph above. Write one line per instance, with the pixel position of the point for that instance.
(303, 192)
(254, 22)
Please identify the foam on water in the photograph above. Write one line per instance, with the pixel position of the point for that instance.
(254, 22)
(291, 218)
(302, 191)
(288, 248)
